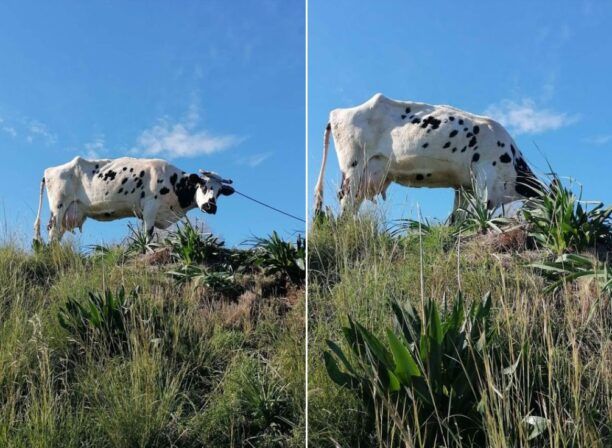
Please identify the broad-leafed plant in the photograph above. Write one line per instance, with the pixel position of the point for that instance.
(561, 221)
(425, 379)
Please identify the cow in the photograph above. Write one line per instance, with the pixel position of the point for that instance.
(108, 189)
(421, 145)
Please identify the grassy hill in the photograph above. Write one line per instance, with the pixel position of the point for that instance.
(184, 344)
(397, 358)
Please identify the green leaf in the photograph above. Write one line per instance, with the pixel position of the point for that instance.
(376, 347)
(405, 365)
(340, 354)
(337, 376)
(394, 384)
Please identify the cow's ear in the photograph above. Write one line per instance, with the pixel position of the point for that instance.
(195, 179)
(226, 190)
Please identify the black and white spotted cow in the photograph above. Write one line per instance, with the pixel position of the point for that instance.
(105, 190)
(421, 145)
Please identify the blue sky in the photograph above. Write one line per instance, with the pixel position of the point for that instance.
(216, 85)
(541, 68)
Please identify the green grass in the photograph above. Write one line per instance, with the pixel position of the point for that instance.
(548, 379)
(194, 368)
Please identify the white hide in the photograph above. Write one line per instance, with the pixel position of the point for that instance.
(105, 190)
(421, 145)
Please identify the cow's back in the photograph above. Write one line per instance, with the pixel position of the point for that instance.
(417, 139)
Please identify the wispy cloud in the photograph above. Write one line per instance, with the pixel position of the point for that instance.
(255, 159)
(38, 130)
(182, 139)
(10, 130)
(96, 148)
(525, 117)
(28, 129)
(599, 140)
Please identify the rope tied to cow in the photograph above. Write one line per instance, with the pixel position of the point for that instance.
(269, 206)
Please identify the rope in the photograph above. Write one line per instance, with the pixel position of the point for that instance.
(269, 206)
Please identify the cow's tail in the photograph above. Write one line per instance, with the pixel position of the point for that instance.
(319, 187)
(37, 236)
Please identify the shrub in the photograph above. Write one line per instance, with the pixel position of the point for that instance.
(425, 382)
(475, 215)
(559, 222)
(189, 245)
(569, 267)
(221, 281)
(138, 241)
(276, 255)
(99, 318)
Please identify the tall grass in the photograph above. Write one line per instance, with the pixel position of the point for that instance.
(548, 382)
(83, 364)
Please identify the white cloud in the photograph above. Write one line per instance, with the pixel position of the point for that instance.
(28, 129)
(37, 129)
(255, 159)
(95, 148)
(182, 139)
(10, 131)
(599, 139)
(525, 117)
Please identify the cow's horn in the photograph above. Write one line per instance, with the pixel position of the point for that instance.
(216, 176)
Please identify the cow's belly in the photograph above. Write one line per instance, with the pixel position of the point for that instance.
(422, 171)
(106, 211)
(167, 216)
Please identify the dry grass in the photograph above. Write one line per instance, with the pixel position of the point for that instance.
(560, 340)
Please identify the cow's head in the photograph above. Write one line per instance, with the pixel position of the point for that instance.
(209, 187)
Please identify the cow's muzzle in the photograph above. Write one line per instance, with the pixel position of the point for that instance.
(210, 207)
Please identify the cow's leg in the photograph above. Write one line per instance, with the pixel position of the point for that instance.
(149, 215)
(54, 228)
(458, 204)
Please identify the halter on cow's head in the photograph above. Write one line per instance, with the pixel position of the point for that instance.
(210, 186)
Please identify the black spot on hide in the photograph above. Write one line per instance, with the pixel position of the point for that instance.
(185, 191)
(109, 175)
